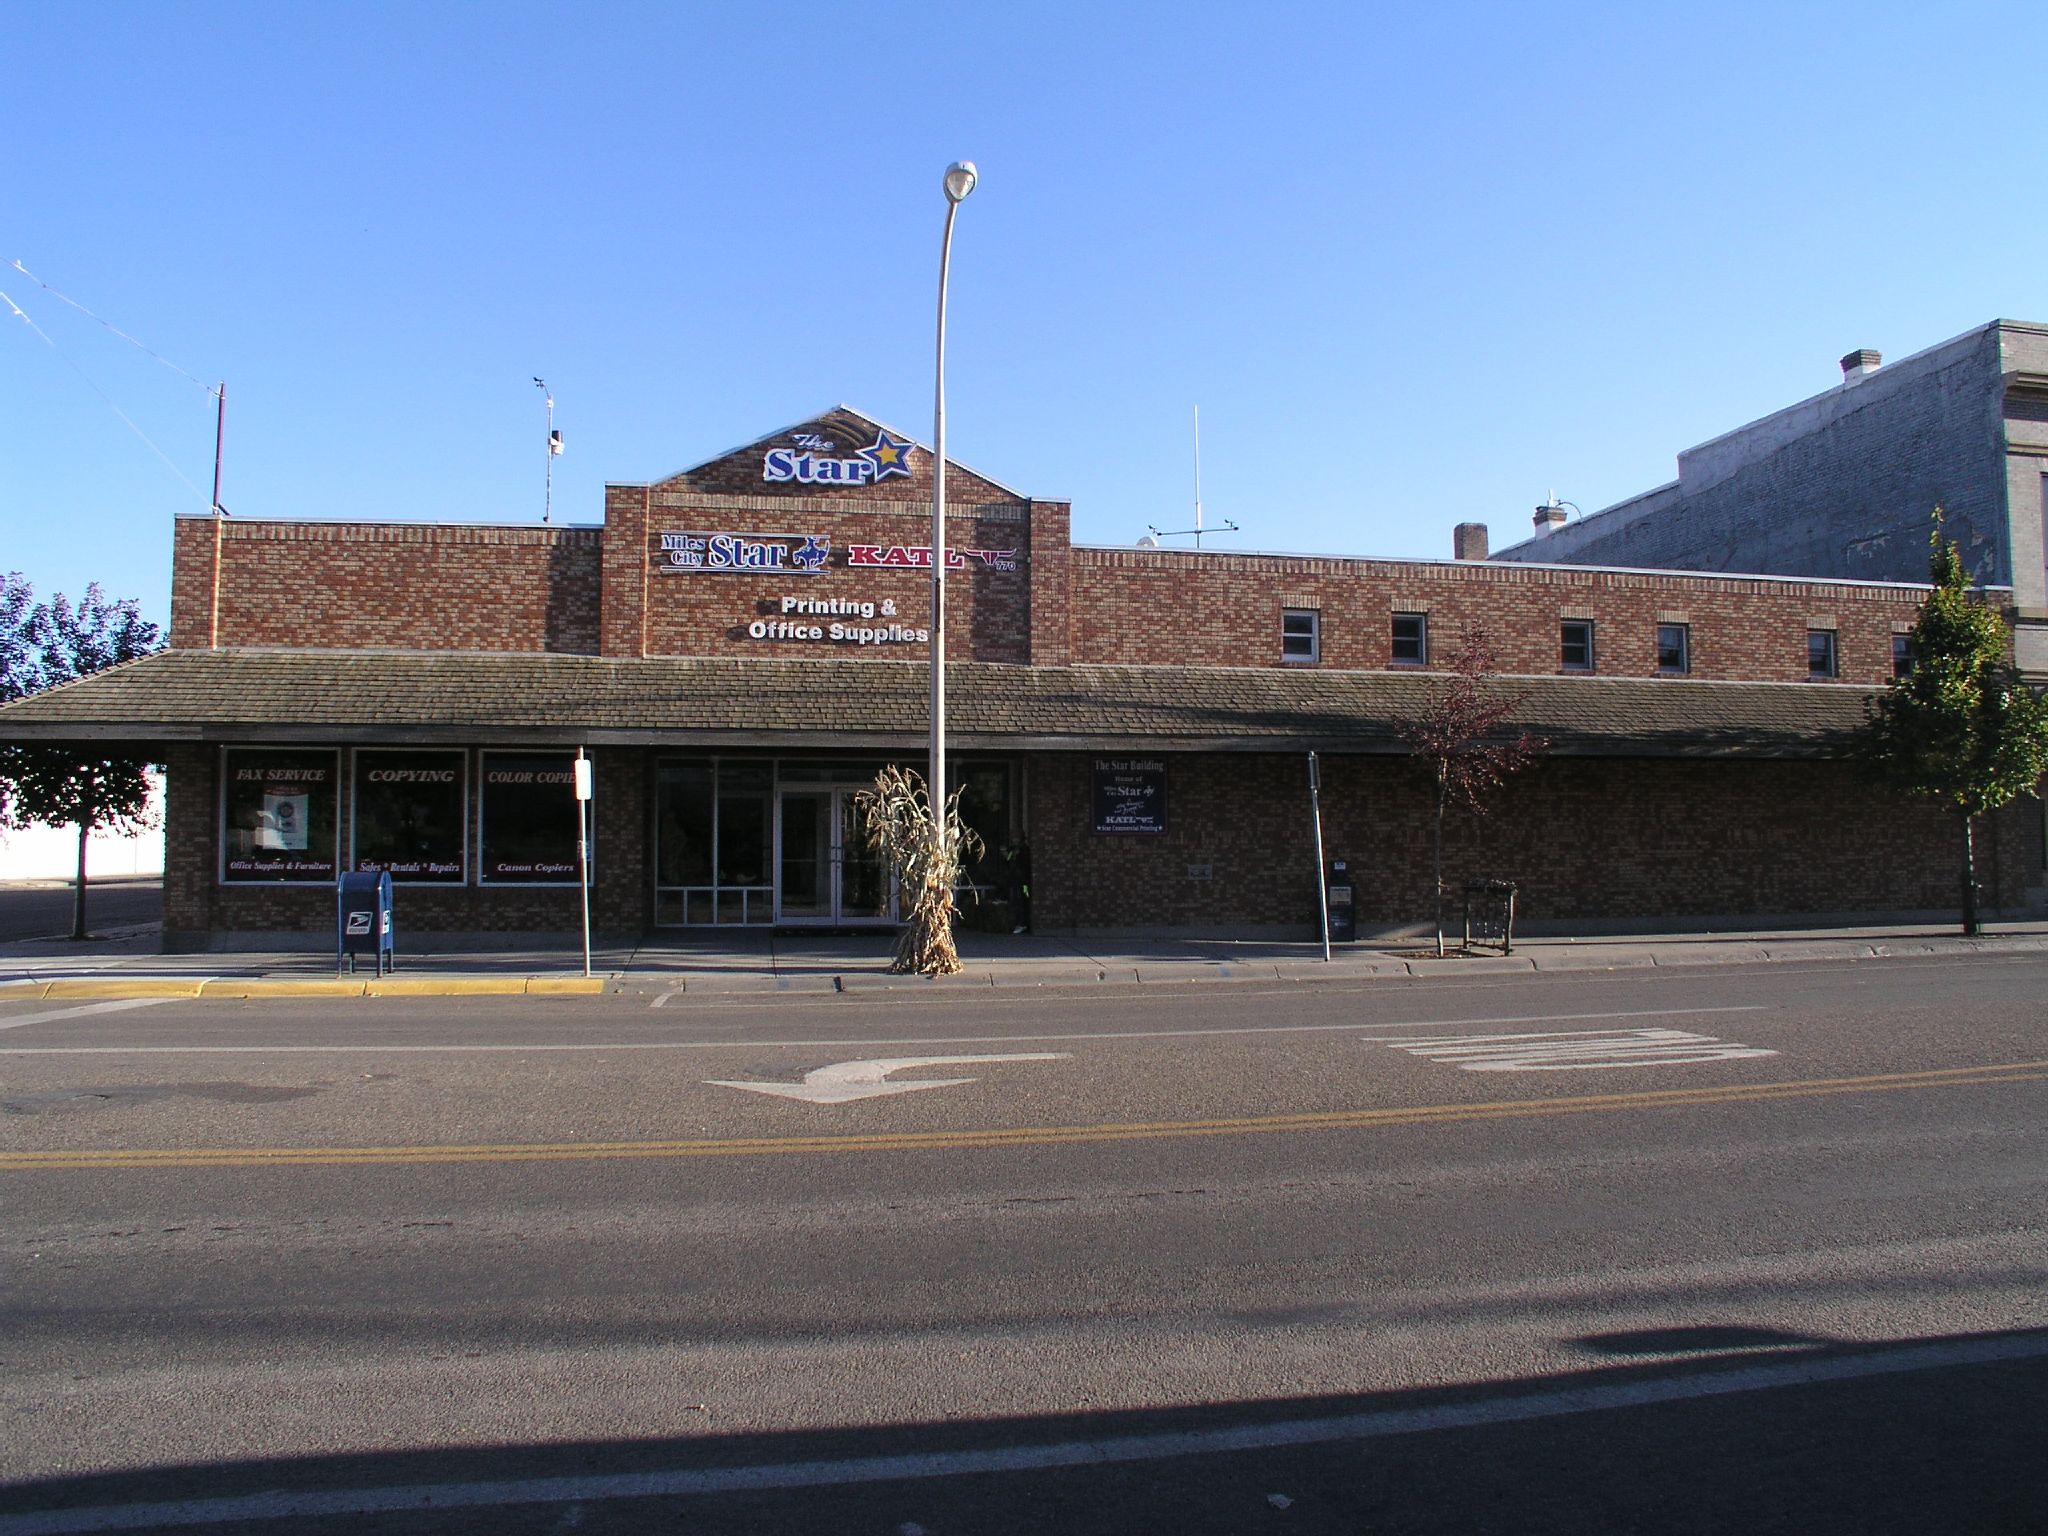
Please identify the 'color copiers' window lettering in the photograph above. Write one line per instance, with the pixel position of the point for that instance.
(529, 818)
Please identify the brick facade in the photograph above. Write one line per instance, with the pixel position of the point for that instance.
(1585, 839)
(1177, 606)
(1842, 483)
(416, 586)
(1588, 838)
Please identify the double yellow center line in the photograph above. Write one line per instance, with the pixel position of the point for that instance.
(1023, 1136)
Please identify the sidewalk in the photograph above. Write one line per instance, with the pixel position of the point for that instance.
(125, 964)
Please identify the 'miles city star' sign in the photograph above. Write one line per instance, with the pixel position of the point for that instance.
(814, 460)
(802, 554)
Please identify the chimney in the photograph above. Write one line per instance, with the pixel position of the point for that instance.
(1550, 515)
(1860, 365)
(1468, 541)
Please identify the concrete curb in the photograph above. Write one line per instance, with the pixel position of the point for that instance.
(85, 989)
(816, 976)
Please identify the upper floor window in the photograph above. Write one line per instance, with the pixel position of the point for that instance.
(1674, 647)
(1902, 655)
(1301, 637)
(1411, 638)
(1820, 653)
(1575, 651)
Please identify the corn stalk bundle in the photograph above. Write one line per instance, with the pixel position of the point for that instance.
(925, 853)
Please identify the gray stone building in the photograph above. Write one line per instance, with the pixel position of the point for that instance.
(1841, 485)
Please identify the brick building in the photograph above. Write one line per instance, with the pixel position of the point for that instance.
(741, 646)
(1842, 484)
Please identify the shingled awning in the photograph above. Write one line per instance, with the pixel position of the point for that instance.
(465, 697)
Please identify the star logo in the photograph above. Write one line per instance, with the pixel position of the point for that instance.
(813, 554)
(887, 455)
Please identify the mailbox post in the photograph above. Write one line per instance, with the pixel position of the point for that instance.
(362, 920)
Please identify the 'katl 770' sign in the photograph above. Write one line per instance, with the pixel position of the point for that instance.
(920, 555)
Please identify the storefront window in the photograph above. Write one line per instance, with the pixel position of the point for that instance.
(682, 805)
(713, 826)
(409, 815)
(279, 816)
(743, 823)
(529, 818)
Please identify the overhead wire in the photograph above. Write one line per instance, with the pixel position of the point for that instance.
(24, 271)
(22, 315)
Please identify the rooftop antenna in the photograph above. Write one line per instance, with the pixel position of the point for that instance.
(554, 449)
(1552, 514)
(220, 432)
(1159, 533)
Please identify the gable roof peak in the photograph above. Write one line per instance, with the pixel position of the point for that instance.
(845, 415)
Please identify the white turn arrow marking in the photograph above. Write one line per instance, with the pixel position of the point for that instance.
(845, 1081)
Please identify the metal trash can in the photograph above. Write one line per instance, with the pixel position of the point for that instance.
(362, 920)
(1343, 907)
(1490, 914)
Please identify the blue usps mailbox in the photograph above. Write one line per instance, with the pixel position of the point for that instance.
(362, 923)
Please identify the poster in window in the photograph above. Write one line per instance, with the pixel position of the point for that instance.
(281, 824)
(409, 819)
(529, 818)
(1130, 795)
(279, 816)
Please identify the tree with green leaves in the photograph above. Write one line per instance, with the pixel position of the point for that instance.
(1960, 727)
(70, 783)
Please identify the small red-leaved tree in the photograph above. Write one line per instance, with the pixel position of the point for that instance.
(1463, 740)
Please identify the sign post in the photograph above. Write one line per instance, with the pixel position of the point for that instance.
(1315, 801)
(583, 847)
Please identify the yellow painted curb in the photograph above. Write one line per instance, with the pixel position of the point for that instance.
(558, 986)
(22, 991)
(446, 986)
(86, 986)
(264, 986)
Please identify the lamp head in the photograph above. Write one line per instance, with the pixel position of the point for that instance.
(959, 180)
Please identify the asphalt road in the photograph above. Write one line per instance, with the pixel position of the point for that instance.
(1752, 1248)
(40, 909)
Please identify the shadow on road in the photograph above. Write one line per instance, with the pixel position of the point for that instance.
(1806, 1436)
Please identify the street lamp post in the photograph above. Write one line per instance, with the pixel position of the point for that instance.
(959, 182)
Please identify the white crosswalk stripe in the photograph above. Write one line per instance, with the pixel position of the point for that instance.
(1575, 1050)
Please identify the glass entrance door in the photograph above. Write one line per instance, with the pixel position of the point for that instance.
(826, 873)
(804, 887)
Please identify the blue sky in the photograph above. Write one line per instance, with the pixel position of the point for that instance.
(1416, 265)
